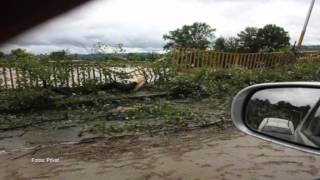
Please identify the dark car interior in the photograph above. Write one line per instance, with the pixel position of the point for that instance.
(27, 14)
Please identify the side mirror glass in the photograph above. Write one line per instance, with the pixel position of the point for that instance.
(286, 113)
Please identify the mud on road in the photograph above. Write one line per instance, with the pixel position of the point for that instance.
(210, 153)
(136, 138)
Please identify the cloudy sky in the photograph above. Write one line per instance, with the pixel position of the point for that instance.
(295, 96)
(140, 24)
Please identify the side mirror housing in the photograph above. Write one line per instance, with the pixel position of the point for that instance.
(284, 113)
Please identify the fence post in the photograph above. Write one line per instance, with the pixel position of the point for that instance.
(202, 62)
(237, 59)
(4, 70)
(18, 77)
(72, 77)
(11, 77)
(184, 58)
(210, 59)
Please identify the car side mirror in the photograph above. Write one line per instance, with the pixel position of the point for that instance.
(284, 113)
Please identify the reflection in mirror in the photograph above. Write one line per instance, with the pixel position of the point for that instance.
(290, 114)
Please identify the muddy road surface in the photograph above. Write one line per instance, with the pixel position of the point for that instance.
(211, 153)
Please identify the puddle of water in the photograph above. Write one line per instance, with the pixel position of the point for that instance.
(12, 140)
(50, 135)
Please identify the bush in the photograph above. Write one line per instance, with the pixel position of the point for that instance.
(28, 99)
(224, 84)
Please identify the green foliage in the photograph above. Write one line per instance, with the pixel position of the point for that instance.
(161, 115)
(135, 57)
(18, 54)
(102, 51)
(248, 40)
(60, 55)
(28, 99)
(163, 71)
(198, 35)
(161, 109)
(154, 56)
(220, 84)
(42, 72)
(90, 86)
(99, 48)
(270, 38)
(217, 86)
(225, 83)
(119, 49)
(143, 57)
(227, 45)
(220, 44)
(33, 69)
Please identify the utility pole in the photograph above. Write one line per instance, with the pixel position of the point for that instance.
(305, 25)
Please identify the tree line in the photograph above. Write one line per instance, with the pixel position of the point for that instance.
(269, 38)
(64, 55)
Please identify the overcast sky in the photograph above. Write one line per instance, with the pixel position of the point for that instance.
(295, 96)
(140, 24)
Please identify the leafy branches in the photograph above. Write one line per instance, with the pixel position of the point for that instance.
(270, 38)
(198, 35)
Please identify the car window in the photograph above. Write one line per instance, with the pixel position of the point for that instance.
(312, 127)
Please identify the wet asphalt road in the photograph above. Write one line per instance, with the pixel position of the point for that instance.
(192, 155)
